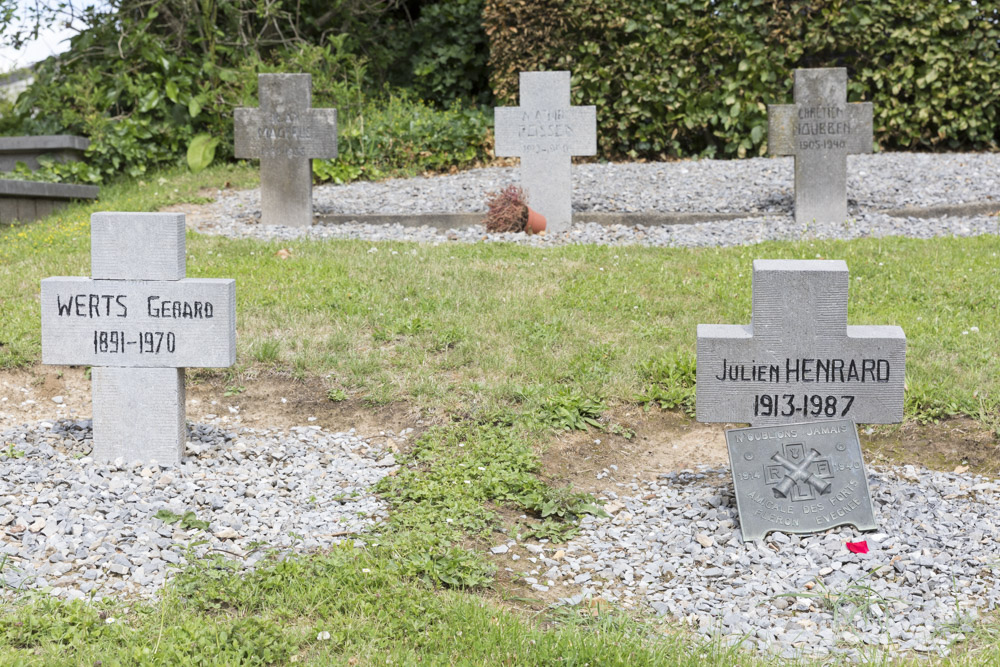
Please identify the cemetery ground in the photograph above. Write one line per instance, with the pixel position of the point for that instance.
(521, 371)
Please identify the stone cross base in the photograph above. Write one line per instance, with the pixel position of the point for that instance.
(139, 414)
(286, 192)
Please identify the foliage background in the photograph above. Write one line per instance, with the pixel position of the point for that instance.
(144, 78)
(414, 80)
(677, 78)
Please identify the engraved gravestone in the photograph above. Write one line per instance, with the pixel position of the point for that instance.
(799, 478)
(820, 130)
(798, 359)
(545, 132)
(285, 133)
(138, 322)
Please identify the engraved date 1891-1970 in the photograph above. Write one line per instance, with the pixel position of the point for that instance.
(144, 342)
(788, 405)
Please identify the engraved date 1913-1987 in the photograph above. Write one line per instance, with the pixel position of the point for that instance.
(144, 342)
(788, 405)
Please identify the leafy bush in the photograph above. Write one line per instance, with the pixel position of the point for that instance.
(140, 105)
(156, 87)
(525, 35)
(445, 58)
(399, 135)
(679, 78)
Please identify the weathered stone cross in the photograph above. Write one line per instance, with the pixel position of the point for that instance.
(798, 360)
(138, 322)
(545, 132)
(820, 130)
(285, 133)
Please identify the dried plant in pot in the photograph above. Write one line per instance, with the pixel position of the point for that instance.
(508, 212)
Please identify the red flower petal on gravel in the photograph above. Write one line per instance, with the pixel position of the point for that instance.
(857, 547)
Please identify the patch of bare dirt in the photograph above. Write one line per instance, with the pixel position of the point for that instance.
(277, 402)
(662, 442)
(43, 393)
(198, 216)
(669, 441)
(960, 444)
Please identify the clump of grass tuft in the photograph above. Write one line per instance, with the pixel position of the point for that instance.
(440, 494)
(266, 351)
(856, 598)
(570, 410)
(670, 382)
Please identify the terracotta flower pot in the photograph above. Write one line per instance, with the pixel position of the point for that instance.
(536, 222)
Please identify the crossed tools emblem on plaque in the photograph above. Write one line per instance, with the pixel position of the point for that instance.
(799, 475)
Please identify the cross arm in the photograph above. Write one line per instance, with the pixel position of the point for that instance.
(715, 343)
(572, 129)
(139, 323)
(584, 138)
(505, 124)
(245, 124)
(257, 134)
(781, 129)
(860, 115)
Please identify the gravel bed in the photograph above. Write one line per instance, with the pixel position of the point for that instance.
(761, 186)
(673, 546)
(708, 234)
(78, 529)
(875, 182)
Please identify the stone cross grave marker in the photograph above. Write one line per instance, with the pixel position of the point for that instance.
(285, 133)
(820, 130)
(799, 478)
(798, 360)
(545, 132)
(138, 322)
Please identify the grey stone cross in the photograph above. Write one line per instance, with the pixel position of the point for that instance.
(138, 322)
(285, 133)
(821, 129)
(545, 132)
(798, 359)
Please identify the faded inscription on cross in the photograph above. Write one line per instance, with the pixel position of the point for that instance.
(545, 132)
(820, 129)
(285, 133)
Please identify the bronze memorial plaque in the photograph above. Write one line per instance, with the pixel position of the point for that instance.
(799, 478)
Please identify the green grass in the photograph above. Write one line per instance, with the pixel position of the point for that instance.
(500, 325)
(347, 607)
(504, 344)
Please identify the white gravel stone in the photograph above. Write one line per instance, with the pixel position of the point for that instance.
(759, 186)
(79, 527)
(929, 564)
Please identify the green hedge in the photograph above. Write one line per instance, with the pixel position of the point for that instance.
(146, 83)
(684, 78)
